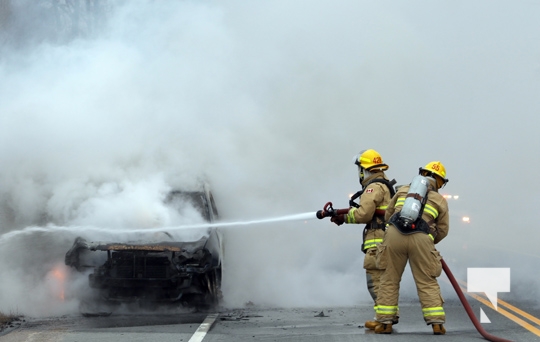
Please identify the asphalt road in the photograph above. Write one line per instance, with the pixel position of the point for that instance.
(260, 324)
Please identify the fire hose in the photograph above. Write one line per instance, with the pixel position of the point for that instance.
(329, 211)
(468, 308)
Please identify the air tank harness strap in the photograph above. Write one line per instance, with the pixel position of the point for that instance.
(419, 226)
(416, 197)
(389, 185)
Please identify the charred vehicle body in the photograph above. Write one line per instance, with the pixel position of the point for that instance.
(186, 273)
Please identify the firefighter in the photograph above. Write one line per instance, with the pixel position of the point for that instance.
(374, 197)
(414, 241)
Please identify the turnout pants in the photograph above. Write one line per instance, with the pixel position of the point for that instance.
(425, 262)
(373, 274)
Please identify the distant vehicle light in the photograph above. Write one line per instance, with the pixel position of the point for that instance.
(456, 197)
(466, 219)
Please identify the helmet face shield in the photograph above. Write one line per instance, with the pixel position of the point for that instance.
(356, 159)
(441, 182)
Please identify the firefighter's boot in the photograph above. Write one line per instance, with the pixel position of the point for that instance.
(438, 329)
(383, 328)
(371, 325)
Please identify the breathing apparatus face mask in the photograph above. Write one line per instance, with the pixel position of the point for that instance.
(438, 180)
(360, 174)
(363, 174)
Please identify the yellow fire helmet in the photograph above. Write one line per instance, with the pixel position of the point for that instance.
(370, 159)
(435, 168)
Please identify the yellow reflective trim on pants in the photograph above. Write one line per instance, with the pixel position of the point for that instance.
(431, 210)
(385, 309)
(382, 207)
(436, 311)
(372, 243)
(431, 236)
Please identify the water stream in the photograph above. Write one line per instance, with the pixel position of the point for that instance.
(4, 238)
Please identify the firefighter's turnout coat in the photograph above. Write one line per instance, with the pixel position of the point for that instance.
(372, 206)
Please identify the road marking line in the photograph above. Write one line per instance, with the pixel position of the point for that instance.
(503, 312)
(511, 307)
(203, 329)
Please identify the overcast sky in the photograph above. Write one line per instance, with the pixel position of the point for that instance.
(269, 102)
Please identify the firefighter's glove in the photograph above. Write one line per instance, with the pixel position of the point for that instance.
(338, 219)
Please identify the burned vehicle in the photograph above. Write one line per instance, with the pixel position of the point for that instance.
(153, 273)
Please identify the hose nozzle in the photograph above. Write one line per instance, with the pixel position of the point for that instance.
(327, 211)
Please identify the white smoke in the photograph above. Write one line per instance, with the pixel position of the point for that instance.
(269, 102)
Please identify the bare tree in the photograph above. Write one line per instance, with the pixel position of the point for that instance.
(5, 11)
(26, 22)
(5, 16)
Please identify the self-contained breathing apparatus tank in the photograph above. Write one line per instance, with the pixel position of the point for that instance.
(414, 200)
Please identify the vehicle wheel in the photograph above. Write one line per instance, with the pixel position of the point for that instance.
(214, 288)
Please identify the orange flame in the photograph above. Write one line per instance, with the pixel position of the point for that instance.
(59, 274)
